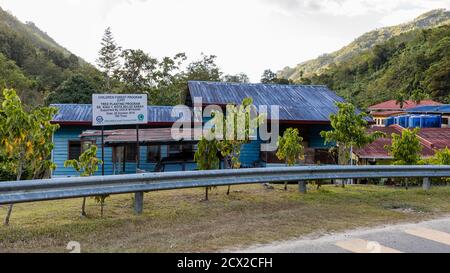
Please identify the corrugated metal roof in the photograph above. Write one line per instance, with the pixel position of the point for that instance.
(432, 139)
(82, 113)
(440, 109)
(393, 105)
(297, 102)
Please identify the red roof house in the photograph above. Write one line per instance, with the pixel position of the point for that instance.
(432, 140)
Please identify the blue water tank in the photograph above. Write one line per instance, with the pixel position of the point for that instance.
(431, 121)
(402, 121)
(415, 121)
(389, 121)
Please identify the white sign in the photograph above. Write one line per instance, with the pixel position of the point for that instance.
(116, 109)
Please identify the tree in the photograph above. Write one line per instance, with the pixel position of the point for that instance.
(406, 148)
(290, 148)
(26, 142)
(270, 77)
(207, 157)
(86, 165)
(137, 70)
(238, 78)
(204, 69)
(77, 89)
(109, 54)
(441, 157)
(349, 131)
(235, 130)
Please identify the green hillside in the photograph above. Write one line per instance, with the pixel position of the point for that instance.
(367, 41)
(412, 65)
(32, 62)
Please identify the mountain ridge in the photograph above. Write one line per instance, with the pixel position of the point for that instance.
(368, 40)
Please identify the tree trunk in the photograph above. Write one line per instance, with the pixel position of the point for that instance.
(8, 214)
(83, 208)
(102, 205)
(10, 207)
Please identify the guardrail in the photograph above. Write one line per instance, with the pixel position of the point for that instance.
(64, 188)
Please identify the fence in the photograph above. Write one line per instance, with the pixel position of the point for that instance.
(64, 188)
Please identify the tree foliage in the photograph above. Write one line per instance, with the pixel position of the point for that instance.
(406, 147)
(76, 89)
(26, 140)
(349, 130)
(290, 148)
(414, 65)
(86, 165)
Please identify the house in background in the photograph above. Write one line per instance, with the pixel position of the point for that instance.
(307, 108)
(431, 139)
(382, 111)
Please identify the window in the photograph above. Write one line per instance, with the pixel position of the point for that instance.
(77, 147)
(153, 154)
(74, 150)
(131, 153)
(175, 149)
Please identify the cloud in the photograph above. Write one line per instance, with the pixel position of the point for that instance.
(354, 7)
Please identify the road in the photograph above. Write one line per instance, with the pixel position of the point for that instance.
(425, 237)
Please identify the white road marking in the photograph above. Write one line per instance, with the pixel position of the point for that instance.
(430, 234)
(363, 246)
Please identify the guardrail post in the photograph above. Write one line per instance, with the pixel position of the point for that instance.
(138, 202)
(426, 183)
(302, 187)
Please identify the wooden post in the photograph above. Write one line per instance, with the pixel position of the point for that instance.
(138, 202)
(426, 184)
(302, 187)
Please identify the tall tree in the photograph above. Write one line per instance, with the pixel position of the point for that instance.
(238, 78)
(138, 70)
(108, 59)
(204, 69)
(26, 142)
(349, 131)
(270, 77)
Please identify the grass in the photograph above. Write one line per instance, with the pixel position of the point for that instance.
(178, 221)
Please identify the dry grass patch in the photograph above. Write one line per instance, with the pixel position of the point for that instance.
(178, 221)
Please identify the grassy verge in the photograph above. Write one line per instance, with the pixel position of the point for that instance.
(178, 221)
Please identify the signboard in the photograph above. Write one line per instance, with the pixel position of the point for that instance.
(117, 109)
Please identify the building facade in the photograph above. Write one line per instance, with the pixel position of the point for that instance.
(304, 107)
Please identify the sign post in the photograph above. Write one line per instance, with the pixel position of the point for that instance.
(119, 109)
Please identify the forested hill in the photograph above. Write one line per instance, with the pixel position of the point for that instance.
(32, 62)
(413, 65)
(367, 41)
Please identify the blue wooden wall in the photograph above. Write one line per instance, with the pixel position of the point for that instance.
(250, 153)
(67, 133)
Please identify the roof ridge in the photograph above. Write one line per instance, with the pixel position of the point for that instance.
(266, 84)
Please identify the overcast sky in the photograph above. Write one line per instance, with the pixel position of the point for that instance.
(246, 35)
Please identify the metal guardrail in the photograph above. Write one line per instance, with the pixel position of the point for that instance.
(64, 188)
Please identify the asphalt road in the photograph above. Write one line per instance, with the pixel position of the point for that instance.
(425, 237)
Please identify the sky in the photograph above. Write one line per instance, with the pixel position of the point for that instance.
(246, 35)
